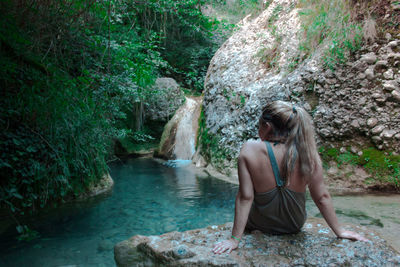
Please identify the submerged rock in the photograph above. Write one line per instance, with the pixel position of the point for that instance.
(315, 245)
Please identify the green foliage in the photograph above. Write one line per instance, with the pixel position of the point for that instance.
(71, 72)
(328, 23)
(233, 11)
(26, 234)
(383, 166)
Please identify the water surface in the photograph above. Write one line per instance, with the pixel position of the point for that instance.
(150, 198)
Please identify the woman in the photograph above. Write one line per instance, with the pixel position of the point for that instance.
(274, 174)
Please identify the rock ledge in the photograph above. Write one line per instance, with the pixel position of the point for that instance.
(316, 245)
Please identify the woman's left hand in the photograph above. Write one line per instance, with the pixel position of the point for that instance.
(226, 245)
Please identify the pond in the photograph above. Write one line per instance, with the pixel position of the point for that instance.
(150, 198)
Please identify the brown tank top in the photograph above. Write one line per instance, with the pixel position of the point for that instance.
(280, 210)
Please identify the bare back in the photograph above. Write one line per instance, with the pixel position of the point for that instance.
(260, 168)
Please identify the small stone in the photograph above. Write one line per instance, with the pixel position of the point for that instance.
(388, 36)
(381, 64)
(369, 58)
(388, 74)
(325, 132)
(390, 85)
(397, 136)
(361, 76)
(393, 44)
(376, 139)
(355, 124)
(396, 95)
(105, 245)
(388, 134)
(395, 56)
(371, 122)
(378, 129)
(353, 150)
(343, 150)
(369, 73)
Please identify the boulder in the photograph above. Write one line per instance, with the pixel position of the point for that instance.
(164, 98)
(315, 245)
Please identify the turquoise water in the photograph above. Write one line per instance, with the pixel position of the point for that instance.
(148, 198)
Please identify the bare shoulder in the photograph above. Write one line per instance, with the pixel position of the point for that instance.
(251, 146)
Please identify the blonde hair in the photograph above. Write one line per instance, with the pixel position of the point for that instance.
(294, 126)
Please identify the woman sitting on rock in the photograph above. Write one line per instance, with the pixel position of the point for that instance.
(274, 174)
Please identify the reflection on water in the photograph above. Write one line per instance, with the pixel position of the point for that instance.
(150, 198)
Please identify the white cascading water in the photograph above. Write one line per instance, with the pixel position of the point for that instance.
(184, 147)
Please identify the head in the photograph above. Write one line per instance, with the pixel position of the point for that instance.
(289, 124)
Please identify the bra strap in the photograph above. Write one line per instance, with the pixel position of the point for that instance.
(274, 165)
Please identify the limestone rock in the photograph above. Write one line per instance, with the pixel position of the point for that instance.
(388, 74)
(165, 97)
(387, 134)
(390, 86)
(315, 245)
(381, 64)
(240, 81)
(378, 129)
(369, 58)
(371, 122)
(369, 73)
(396, 95)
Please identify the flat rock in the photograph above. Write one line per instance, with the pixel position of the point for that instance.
(315, 245)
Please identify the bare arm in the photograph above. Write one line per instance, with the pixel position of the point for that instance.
(244, 200)
(323, 200)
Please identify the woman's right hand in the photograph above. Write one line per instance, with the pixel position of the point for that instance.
(226, 245)
(352, 236)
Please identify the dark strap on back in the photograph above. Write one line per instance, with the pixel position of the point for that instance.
(274, 164)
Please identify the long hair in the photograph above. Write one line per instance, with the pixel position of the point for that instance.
(294, 126)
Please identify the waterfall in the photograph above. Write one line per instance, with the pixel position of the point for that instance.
(179, 137)
(185, 135)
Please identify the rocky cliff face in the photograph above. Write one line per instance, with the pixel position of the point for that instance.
(314, 246)
(358, 104)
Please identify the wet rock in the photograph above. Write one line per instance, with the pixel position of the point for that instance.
(105, 245)
(315, 245)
